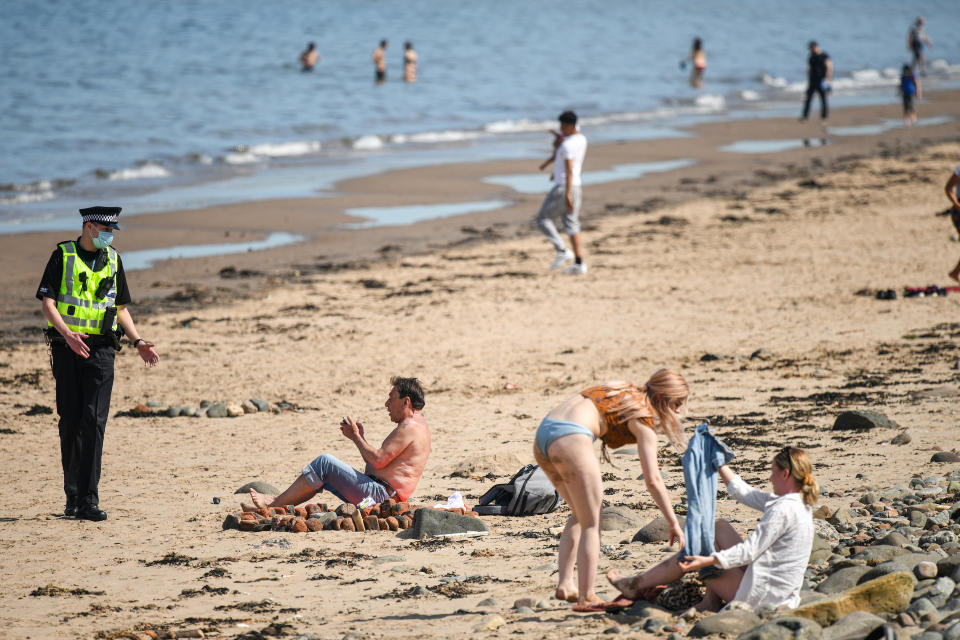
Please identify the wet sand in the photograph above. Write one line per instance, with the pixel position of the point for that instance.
(760, 261)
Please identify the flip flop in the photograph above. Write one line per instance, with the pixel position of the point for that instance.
(621, 602)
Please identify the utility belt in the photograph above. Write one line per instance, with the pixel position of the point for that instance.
(111, 337)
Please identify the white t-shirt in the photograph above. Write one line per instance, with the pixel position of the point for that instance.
(776, 552)
(573, 147)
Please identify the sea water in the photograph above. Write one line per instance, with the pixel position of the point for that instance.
(169, 105)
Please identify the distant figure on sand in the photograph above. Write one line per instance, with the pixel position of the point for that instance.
(409, 63)
(565, 198)
(699, 60)
(765, 569)
(309, 57)
(953, 194)
(910, 90)
(380, 61)
(618, 413)
(392, 471)
(819, 74)
(916, 41)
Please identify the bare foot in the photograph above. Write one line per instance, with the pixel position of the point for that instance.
(566, 595)
(261, 501)
(626, 584)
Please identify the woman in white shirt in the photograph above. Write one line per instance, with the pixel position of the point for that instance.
(767, 567)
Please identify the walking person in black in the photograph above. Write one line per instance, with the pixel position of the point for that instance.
(84, 296)
(819, 74)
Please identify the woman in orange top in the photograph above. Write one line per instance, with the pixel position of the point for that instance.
(618, 413)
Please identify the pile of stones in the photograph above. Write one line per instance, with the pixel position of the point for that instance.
(386, 516)
(207, 409)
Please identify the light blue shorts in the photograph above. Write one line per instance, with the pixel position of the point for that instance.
(550, 430)
(342, 480)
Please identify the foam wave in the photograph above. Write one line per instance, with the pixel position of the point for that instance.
(23, 198)
(240, 158)
(144, 171)
(282, 149)
(436, 137)
(519, 126)
(367, 143)
(38, 191)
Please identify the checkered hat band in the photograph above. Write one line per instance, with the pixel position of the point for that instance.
(100, 217)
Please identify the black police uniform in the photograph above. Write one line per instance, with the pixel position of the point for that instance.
(84, 385)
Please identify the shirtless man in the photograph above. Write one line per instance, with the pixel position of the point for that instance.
(380, 60)
(392, 471)
(409, 63)
(309, 57)
(953, 194)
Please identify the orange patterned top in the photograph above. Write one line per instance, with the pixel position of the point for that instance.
(609, 403)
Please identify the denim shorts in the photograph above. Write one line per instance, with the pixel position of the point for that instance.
(342, 480)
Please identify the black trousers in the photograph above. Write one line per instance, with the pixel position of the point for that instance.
(83, 402)
(815, 87)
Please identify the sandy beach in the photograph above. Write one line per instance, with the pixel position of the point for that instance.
(752, 274)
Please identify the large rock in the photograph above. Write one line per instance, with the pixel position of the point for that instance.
(820, 549)
(861, 420)
(887, 594)
(729, 623)
(885, 569)
(217, 410)
(656, 531)
(784, 628)
(945, 456)
(617, 519)
(259, 486)
(842, 580)
(894, 539)
(430, 523)
(947, 566)
(853, 626)
(880, 553)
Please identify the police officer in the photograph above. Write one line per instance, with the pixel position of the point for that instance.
(84, 296)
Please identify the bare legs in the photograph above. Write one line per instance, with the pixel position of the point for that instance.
(577, 241)
(574, 471)
(296, 493)
(955, 274)
(719, 590)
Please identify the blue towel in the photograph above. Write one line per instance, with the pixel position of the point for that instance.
(704, 456)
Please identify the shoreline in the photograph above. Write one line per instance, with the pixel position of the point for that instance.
(322, 220)
(752, 295)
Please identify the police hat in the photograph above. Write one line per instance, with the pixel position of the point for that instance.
(107, 216)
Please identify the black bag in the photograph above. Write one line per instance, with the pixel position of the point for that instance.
(528, 493)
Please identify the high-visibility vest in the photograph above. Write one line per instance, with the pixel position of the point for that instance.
(77, 302)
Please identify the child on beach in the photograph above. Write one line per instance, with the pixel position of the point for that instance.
(910, 89)
(699, 60)
(767, 567)
(953, 194)
(617, 413)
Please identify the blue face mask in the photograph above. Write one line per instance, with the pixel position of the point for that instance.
(103, 240)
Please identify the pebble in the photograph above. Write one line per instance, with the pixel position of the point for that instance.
(249, 407)
(524, 602)
(261, 405)
(525, 610)
(217, 410)
(487, 602)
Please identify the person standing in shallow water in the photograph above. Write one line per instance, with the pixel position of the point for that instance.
(819, 74)
(309, 57)
(409, 63)
(380, 62)
(698, 58)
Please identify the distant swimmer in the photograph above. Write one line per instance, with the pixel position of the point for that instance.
(819, 74)
(380, 61)
(953, 194)
(409, 63)
(309, 58)
(910, 89)
(916, 41)
(699, 59)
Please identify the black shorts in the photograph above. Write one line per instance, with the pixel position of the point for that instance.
(907, 103)
(381, 76)
(955, 218)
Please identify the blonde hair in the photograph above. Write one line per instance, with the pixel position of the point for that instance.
(798, 464)
(665, 393)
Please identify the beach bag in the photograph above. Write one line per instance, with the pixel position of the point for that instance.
(528, 493)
